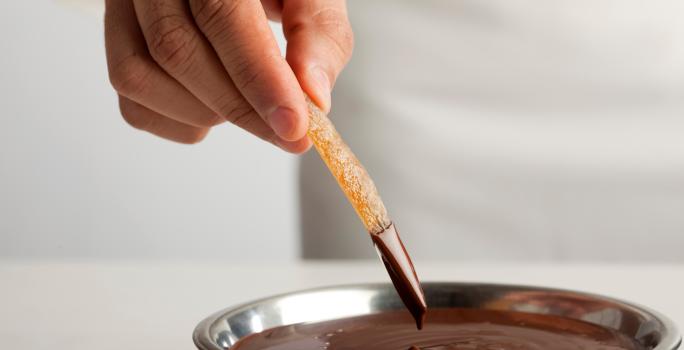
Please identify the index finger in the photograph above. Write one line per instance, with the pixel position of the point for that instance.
(239, 32)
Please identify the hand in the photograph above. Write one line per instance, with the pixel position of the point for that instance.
(181, 67)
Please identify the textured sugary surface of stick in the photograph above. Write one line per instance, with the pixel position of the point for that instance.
(347, 170)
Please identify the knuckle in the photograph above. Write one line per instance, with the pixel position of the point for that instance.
(347, 40)
(225, 103)
(242, 118)
(132, 115)
(212, 13)
(229, 105)
(172, 42)
(247, 76)
(337, 28)
(332, 23)
(248, 72)
(129, 77)
(237, 111)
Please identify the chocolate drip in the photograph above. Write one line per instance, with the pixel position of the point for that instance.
(401, 271)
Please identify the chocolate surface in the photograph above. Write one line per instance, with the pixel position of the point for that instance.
(401, 271)
(445, 329)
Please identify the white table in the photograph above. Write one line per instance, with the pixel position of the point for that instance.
(155, 305)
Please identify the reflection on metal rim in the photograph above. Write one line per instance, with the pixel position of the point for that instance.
(223, 329)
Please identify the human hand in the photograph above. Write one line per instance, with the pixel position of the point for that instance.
(181, 67)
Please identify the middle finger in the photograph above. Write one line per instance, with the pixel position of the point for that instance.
(181, 50)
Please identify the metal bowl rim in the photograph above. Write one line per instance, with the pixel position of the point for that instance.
(671, 340)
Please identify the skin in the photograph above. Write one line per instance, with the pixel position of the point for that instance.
(181, 67)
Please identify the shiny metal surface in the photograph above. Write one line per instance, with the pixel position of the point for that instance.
(223, 329)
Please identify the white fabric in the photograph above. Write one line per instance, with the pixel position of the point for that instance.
(524, 130)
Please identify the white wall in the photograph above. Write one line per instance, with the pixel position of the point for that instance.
(77, 182)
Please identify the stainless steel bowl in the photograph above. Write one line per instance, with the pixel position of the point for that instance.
(223, 329)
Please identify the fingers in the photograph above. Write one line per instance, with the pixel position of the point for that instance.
(319, 44)
(273, 9)
(253, 61)
(151, 94)
(177, 45)
(180, 49)
(145, 119)
(136, 76)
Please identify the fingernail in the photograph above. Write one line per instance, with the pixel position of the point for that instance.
(283, 121)
(322, 87)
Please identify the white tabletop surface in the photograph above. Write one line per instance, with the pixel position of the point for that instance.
(155, 305)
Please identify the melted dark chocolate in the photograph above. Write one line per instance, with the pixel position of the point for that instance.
(445, 329)
(401, 271)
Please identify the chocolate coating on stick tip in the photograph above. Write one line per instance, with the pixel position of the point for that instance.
(401, 271)
(363, 196)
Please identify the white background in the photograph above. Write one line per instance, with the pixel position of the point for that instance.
(77, 182)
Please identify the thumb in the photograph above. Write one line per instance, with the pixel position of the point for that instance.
(319, 44)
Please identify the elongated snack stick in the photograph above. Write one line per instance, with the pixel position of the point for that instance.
(348, 171)
(363, 196)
